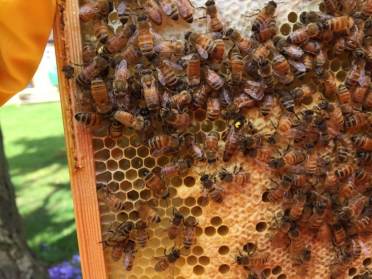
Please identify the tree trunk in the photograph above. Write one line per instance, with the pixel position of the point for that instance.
(16, 259)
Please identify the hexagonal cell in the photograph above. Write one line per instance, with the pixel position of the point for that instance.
(172, 192)
(189, 181)
(112, 165)
(190, 201)
(277, 270)
(198, 269)
(109, 142)
(207, 126)
(367, 261)
(104, 177)
(200, 115)
(162, 161)
(118, 176)
(282, 276)
(97, 144)
(135, 140)
(145, 194)
(124, 164)
(138, 184)
(341, 75)
(202, 201)
(204, 260)
(122, 216)
(224, 268)
(149, 162)
(197, 250)
(177, 202)
(352, 271)
(131, 174)
(223, 230)
(216, 221)
(123, 142)
(196, 211)
(198, 231)
(220, 125)
(113, 186)
(184, 210)
(292, 17)
(176, 181)
(125, 185)
(191, 260)
(133, 195)
(136, 162)
(143, 151)
(130, 152)
(102, 155)
(134, 215)
(223, 250)
(261, 226)
(210, 231)
(285, 29)
(266, 272)
(99, 166)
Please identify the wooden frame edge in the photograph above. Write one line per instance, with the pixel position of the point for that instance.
(78, 145)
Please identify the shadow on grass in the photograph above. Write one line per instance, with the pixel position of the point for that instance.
(37, 154)
(42, 221)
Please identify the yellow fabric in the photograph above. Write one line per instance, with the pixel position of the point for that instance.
(25, 26)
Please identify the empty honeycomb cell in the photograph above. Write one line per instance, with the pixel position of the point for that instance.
(113, 186)
(335, 65)
(130, 152)
(185, 252)
(266, 272)
(136, 162)
(367, 261)
(107, 218)
(198, 231)
(220, 125)
(285, 29)
(177, 202)
(162, 161)
(190, 201)
(143, 172)
(224, 268)
(135, 140)
(104, 177)
(109, 142)
(112, 165)
(125, 185)
(184, 210)
(207, 126)
(176, 181)
(124, 164)
(134, 215)
(99, 166)
(172, 192)
(143, 151)
(189, 181)
(133, 195)
(102, 155)
(352, 271)
(292, 17)
(97, 144)
(138, 184)
(194, 128)
(210, 231)
(122, 216)
(341, 75)
(198, 270)
(277, 270)
(202, 202)
(131, 174)
(117, 153)
(223, 230)
(282, 276)
(149, 162)
(191, 260)
(197, 250)
(261, 226)
(148, 252)
(200, 115)
(264, 196)
(196, 211)
(204, 260)
(118, 175)
(223, 250)
(216, 221)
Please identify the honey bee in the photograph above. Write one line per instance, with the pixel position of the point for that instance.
(180, 100)
(303, 94)
(355, 207)
(288, 103)
(236, 65)
(266, 73)
(189, 235)
(308, 62)
(330, 85)
(169, 7)
(156, 184)
(332, 6)
(312, 47)
(142, 234)
(316, 220)
(214, 80)
(131, 55)
(299, 36)
(129, 254)
(344, 95)
(215, 24)
(118, 233)
(245, 45)
(276, 193)
(186, 10)
(297, 207)
(267, 105)
(364, 157)
(148, 212)
(169, 49)
(150, 90)
(291, 50)
(232, 139)
(362, 142)
(339, 235)
(280, 238)
(291, 158)
(145, 37)
(356, 71)
(116, 43)
(218, 54)
(361, 225)
(204, 45)
(101, 31)
(196, 153)
(259, 260)
(167, 75)
(178, 168)
(355, 122)
(181, 121)
(211, 146)
(91, 71)
(341, 150)
(115, 129)
(120, 82)
(242, 259)
(344, 171)
(117, 251)
(282, 69)
(263, 52)
(264, 16)
(241, 102)
(200, 96)
(193, 70)
(340, 46)
(367, 8)
(164, 262)
(163, 144)
(100, 96)
(213, 108)
(91, 11)
(239, 176)
(362, 180)
(89, 119)
(339, 24)
(266, 32)
(113, 202)
(153, 11)
(138, 123)
(211, 189)
(175, 227)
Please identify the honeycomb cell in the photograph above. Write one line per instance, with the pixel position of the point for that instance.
(210, 231)
(112, 165)
(184, 210)
(131, 174)
(292, 17)
(198, 231)
(138, 184)
(224, 268)
(99, 166)
(220, 125)
(261, 226)
(282, 276)
(122, 216)
(102, 155)
(136, 162)
(216, 221)
(200, 115)
(196, 211)
(118, 176)
(162, 161)
(367, 261)
(113, 186)
(223, 250)
(223, 230)
(135, 140)
(335, 65)
(197, 250)
(266, 272)
(198, 269)
(117, 153)
(176, 181)
(133, 195)
(177, 202)
(148, 252)
(125, 186)
(97, 144)
(109, 142)
(352, 271)
(202, 202)
(207, 126)
(143, 172)
(189, 181)
(204, 260)
(149, 162)
(124, 164)
(190, 201)
(296, 26)
(104, 177)
(107, 218)
(191, 260)
(143, 151)
(134, 215)
(285, 29)
(195, 128)
(277, 270)
(341, 75)
(172, 192)
(130, 152)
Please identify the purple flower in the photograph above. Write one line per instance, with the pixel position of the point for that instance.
(66, 270)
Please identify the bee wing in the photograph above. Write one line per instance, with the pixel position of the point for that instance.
(161, 77)
(167, 7)
(297, 65)
(202, 52)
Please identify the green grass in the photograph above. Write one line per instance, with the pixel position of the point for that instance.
(35, 148)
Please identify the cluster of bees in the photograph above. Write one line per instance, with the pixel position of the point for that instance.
(319, 149)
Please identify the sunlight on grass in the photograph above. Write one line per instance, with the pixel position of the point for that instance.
(35, 148)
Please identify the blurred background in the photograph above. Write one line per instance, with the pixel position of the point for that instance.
(34, 145)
